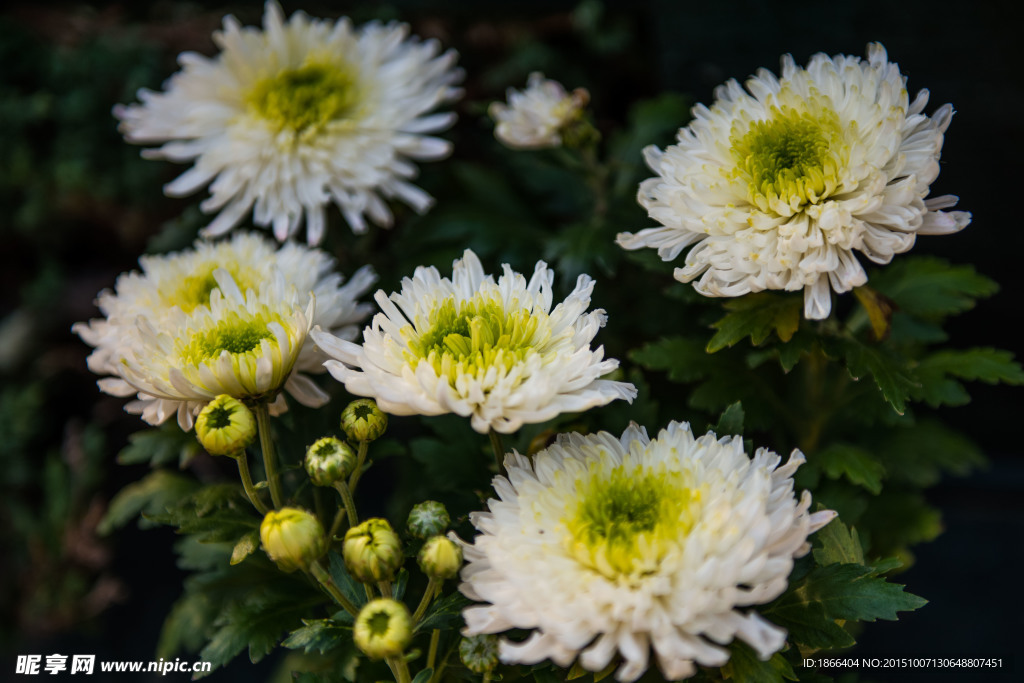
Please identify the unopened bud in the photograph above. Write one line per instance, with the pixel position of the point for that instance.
(329, 460)
(372, 551)
(479, 653)
(225, 426)
(428, 518)
(440, 558)
(383, 628)
(362, 420)
(292, 537)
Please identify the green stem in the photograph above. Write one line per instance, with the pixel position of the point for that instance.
(250, 490)
(269, 456)
(499, 450)
(385, 589)
(336, 525)
(350, 504)
(327, 582)
(435, 638)
(432, 586)
(358, 471)
(400, 669)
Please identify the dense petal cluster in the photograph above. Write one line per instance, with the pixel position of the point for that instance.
(606, 545)
(493, 351)
(172, 288)
(303, 113)
(778, 185)
(536, 117)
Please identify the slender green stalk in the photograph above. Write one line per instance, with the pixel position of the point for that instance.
(250, 490)
(499, 450)
(435, 638)
(400, 669)
(433, 585)
(336, 524)
(350, 504)
(358, 471)
(487, 677)
(327, 582)
(269, 456)
(385, 589)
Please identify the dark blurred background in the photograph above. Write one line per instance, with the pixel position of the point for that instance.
(78, 206)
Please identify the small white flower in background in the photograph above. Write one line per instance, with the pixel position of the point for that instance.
(779, 184)
(242, 345)
(535, 118)
(604, 545)
(180, 283)
(492, 351)
(288, 119)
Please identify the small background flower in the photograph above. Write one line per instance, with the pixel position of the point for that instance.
(537, 117)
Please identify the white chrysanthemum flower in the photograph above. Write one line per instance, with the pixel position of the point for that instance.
(242, 345)
(285, 120)
(536, 117)
(605, 545)
(779, 184)
(492, 351)
(182, 282)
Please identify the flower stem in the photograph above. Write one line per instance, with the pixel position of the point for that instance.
(499, 450)
(327, 582)
(400, 669)
(336, 525)
(435, 638)
(250, 490)
(358, 471)
(350, 504)
(269, 456)
(432, 586)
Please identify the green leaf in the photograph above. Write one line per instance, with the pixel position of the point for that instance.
(919, 455)
(152, 495)
(187, 624)
(931, 287)
(684, 359)
(352, 589)
(888, 372)
(991, 366)
(731, 421)
(853, 592)
(757, 316)
(858, 465)
(839, 545)
(319, 635)
(245, 546)
(807, 623)
(879, 309)
(444, 613)
(745, 666)
(423, 676)
(162, 446)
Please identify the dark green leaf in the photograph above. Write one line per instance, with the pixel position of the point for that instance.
(858, 465)
(931, 287)
(745, 666)
(757, 316)
(807, 623)
(162, 446)
(152, 495)
(352, 589)
(888, 373)
(444, 613)
(731, 421)
(423, 676)
(981, 364)
(839, 545)
(853, 592)
(245, 546)
(317, 635)
(684, 359)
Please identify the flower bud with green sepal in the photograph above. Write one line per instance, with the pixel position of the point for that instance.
(479, 653)
(329, 460)
(440, 558)
(427, 519)
(225, 426)
(372, 551)
(293, 538)
(383, 628)
(362, 420)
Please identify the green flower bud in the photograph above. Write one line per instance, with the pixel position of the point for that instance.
(383, 628)
(293, 538)
(362, 420)
(479, 654)
(440, 558)
(372, 551)
(329, 460)
(428, 518)
(225, 426)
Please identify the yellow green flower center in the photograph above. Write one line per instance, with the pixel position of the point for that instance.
(194, 290)
(305, 98)
(627, 520)
(789, 157)
(474, 336)
(234, 334)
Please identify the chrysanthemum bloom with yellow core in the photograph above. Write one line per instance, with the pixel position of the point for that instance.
(606, 545)
(242, 345)
(779, 184)
(182, 282)
(288, 119)
(492, 351)
(536, 117)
